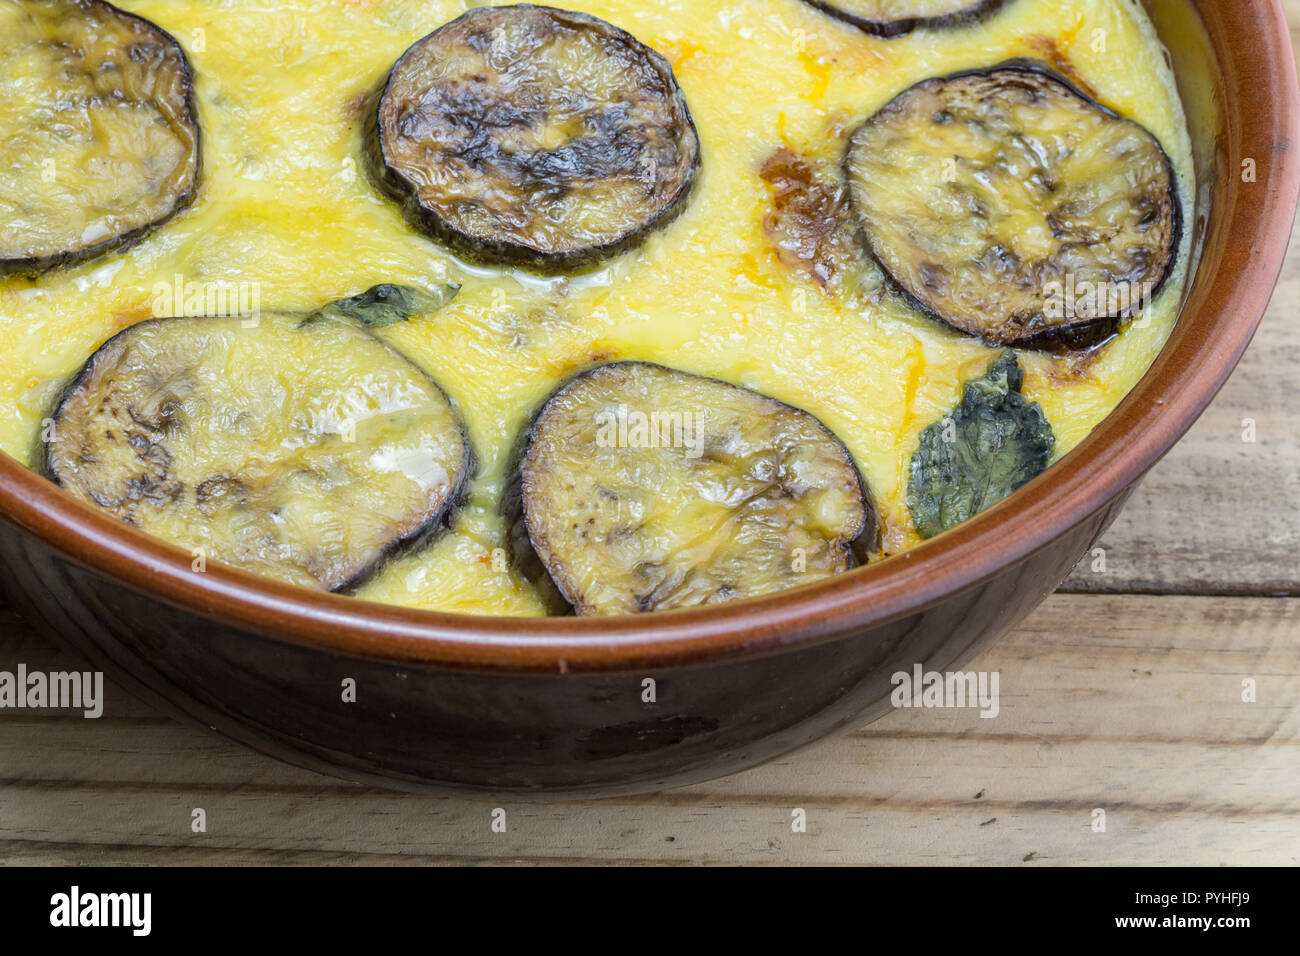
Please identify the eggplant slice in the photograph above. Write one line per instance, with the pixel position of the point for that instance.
(99, 130)
(535, 137)
(642, 488)
(305, 451)
(1013, 207)
(894, 18)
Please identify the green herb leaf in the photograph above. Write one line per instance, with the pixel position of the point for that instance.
(386, 304)
(994, 442)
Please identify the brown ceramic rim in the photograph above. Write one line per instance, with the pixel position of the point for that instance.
(1262, 96)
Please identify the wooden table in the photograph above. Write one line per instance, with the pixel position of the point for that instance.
(1122, 693)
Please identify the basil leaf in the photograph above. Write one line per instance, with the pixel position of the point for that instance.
(993, 442)
(386, 304)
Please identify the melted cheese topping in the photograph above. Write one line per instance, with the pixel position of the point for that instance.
(285, 208)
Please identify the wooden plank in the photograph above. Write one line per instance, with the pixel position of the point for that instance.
(1130, 704)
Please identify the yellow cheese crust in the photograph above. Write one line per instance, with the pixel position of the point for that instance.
(286, 209)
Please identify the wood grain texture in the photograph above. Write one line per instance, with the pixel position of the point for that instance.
(1124, 695)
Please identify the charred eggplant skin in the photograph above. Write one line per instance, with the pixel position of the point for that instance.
(551, 172)
(188, 116)
(519, 544)
(436, 522)
(527, 543)
(975, 11)
(1061, 337)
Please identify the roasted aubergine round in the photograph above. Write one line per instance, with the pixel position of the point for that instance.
(535, 137)
(893, 18)
(99, 128)
(304, 450)
(1013, 207)
(641, 488)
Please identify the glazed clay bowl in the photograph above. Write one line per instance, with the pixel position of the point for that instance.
(558, 705)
